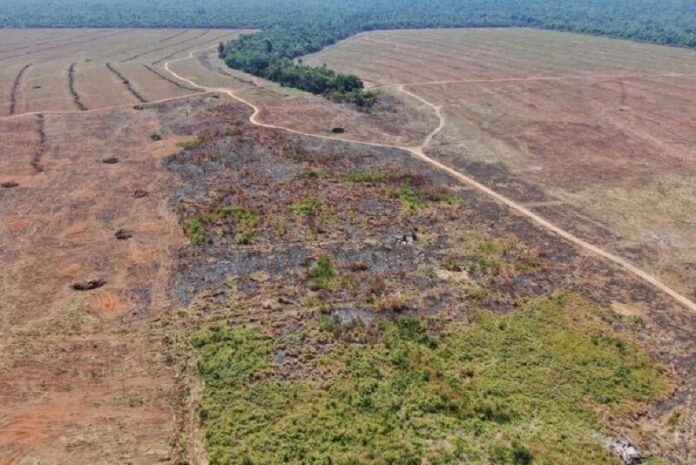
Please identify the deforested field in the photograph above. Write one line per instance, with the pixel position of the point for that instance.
(600, 132)
(87, 69)
(199, 266)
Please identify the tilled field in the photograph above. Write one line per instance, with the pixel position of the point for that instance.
(86, 243)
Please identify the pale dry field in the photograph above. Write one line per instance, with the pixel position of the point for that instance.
(597, 134)
(46, 56)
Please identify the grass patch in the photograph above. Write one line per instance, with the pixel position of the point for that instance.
(523, 388)
(247, 219)
(322, 272)
(491, 256)
(367, 176)
(410, 201)
(313, 174)
(189, 144)
(305, 207)
(75, 316)
(194, 230)
(231, 131)
(413, 198)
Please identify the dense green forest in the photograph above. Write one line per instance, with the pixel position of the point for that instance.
(291, 28)
(669, 22)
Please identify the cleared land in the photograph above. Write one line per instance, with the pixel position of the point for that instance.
(342, 277)
(46, 85)
(395, 120)
(579, 127)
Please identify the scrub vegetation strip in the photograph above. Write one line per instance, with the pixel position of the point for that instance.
(15, 88)
(185, 49)
(41, 146)
(126, 83)
(71, 86)
(173, 36)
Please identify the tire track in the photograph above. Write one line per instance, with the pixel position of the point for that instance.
(170, 80)
(126, 83)
(15, 87)
(135, 57)
(580, 77)
(22, 44)
(90, 39)
(11, 47)
(192, 46)
(175, 35)
(41, 147)
(419, 153)
(71, 86)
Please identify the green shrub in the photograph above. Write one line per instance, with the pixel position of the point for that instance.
(527, 387)
(189, 144)
(194, 230)
(322, 272)
(305, 207)
(366, 176)
(247, 219)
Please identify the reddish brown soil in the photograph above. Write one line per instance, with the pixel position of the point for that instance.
(85, 376)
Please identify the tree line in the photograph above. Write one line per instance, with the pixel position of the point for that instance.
(271, 54)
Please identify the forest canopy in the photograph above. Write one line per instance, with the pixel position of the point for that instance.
(668, 22)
